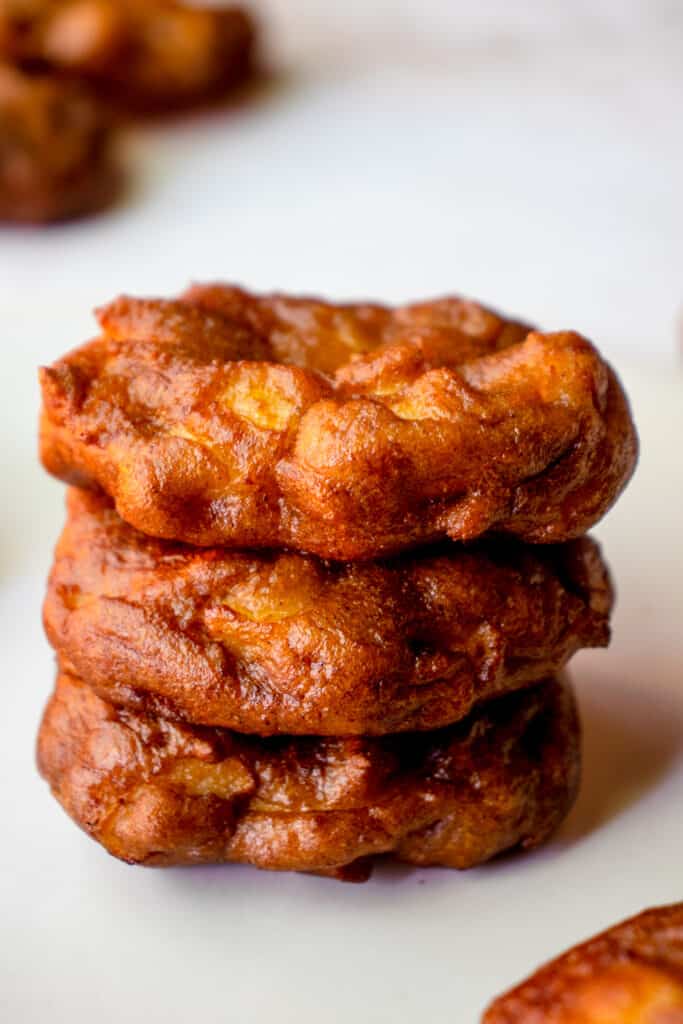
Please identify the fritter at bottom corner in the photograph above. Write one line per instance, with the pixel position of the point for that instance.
(159, 792)
(630, 974)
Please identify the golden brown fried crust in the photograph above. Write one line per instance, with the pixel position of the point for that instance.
(631, 974)
(156, 792)
(55, 150)
(145, 54)
(284, 643)
(345, 431)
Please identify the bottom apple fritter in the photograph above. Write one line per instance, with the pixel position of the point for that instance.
(161, 792)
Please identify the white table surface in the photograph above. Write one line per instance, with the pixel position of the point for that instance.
(543, 178)
(528, 154)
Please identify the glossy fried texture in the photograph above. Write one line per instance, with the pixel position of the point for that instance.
(157, 792)
(284, 643)
(345, 431)
(631, 974)
(56, 157)
(144, 54)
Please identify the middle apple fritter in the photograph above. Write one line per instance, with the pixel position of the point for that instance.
(273, 643)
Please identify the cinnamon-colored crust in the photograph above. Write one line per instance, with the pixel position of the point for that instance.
(631, 974)
(285, 643)
(56, 158)
(148, 55)
(157, 792)
(345, 431)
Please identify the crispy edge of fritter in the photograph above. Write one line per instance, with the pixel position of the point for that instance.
(626, 973)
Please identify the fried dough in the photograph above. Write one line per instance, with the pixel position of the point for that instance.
(157, 792)
(631, 974)
(285, 643)
(349, 432)
(56, 159)
(143, 54)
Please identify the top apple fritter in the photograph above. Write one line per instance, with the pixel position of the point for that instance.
(631, 974)
(347, 431)
(144, 54)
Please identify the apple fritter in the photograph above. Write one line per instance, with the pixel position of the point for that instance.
(148, 55)
(284, 643)
(159, 792)
(56, 159)
(345, 431)
(631, 974)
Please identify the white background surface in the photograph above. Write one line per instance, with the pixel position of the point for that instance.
(530, 154)
(535, 162)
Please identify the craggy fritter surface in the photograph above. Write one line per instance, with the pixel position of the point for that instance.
(145, 54)
(284, 643)
(156, 792)
(345, 431)
(631, 974)
(56, 157)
